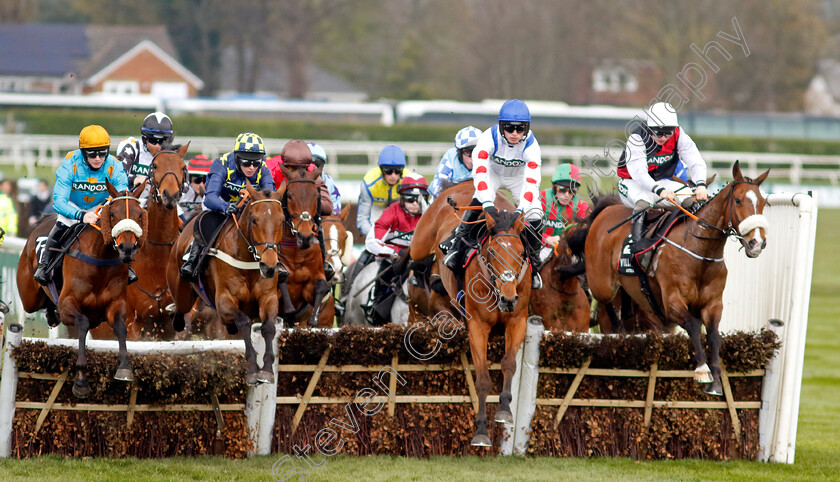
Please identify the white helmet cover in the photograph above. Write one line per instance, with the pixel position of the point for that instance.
(662, 114)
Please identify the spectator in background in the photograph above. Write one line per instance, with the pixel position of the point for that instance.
(191, 201)
(39, 201)
(8, 211)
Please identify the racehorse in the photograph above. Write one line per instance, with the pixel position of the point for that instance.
(307, 292)
(95, 276)
(339, 242)
(149, 295)
(497, 289)
(687, 274)
(240, 290)
(562, 303)
(358, 295)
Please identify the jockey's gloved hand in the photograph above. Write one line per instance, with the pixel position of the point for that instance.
(232, 208)
(394, 257)
(491, 211)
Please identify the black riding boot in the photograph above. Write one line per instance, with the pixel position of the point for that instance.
(52, 245)
(533, 245)
(188, 269)
(132, 276)
(329, 271)
(454, 246)
(639, 244)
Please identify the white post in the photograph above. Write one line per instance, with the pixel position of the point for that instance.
(8, 389)
(255, 396)
(524, 389)
(269, 404)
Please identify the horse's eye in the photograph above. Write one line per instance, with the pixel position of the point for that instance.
(737, 202)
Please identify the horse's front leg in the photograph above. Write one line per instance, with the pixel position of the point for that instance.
(514, 336)
(479, 332)
(116, 316)
(268, 314)
(228, 308)
(676, 310)
(320, 291)
(71, 314)
(711, 318)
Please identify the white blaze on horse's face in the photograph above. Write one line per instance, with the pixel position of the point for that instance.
(750, 228)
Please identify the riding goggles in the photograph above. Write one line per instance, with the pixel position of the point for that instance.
(94, 153)
(511, 128)
(662, 131)
(410, 199)
(467, 151)
(389, 171)
(249, 163)
(155, 140)
(197, 179)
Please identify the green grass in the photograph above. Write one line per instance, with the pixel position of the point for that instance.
(817, 450)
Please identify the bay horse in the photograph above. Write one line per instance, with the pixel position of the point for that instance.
(306, 288)
(497, 289)
(95, 275)
(240, 279)
(149, 295)
(562, 303)
(687, 274)
(339, 242)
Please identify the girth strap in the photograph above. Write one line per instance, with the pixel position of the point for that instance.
(91, 260)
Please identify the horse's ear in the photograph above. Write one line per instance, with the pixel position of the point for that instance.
(490, 221)
(111, 189)
(761, 178)
(710, 180)
(281, 190)
(105, 223)
(345, 211)
(315, 173)
(139, 189)
(736, 171)
(182, 151)
(251, 191)
(287, 173)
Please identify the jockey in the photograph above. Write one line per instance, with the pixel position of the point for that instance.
(652, 154)
(80, 189)
(509, 157)
(225, 182)
(191, 202)
(294, 156)
(377, 191)
(390, 236)
(456, 164)
(319, 158)
(561, 205)
(136, 155)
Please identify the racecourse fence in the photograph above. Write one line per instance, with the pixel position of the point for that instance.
(354, 158)
(771, 291)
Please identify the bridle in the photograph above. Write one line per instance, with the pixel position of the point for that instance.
(252, 246)
(304, 216)
(329, 250)
(127, 226)
(506, 276)
(155, 192)
(730, 230)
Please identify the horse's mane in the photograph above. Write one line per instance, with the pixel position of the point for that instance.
(45, 218)
(576, 238)
(600, 203)
(504, 221)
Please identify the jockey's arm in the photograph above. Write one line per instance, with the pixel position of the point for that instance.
(119, 178)
(127, 154)
(363, 211)
(212, 198)
(326, 200)
(443, 174)
(531, 177)
(374, 242)
(690, 155)
(335, 195)
(637, 162)
(481, 164)
(61, 192)
(266, 180)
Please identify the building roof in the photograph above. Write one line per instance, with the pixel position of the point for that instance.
(829, 69)
(42, 49)
(108, 43)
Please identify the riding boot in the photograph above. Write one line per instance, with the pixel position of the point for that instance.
(455, 245)
(47, 256)
(638, 243)
(329, 271)
(188, 269)
(533, 245)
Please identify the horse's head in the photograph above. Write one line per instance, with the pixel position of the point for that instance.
(338, 241)
(744, 208)
(301, 204)
(505, 257)
(124, 222)
(168, 176)
(262, 221)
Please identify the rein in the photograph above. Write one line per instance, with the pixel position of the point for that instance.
(506, 276)
(304, 216)
(155, 191)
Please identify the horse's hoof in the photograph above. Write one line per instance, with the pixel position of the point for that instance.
(53, 319)
(232, 329)
(81, 391)
(714, 389)
(503, 416)
(178, 322)
(251, 379)
(703, 374)
(481, 440)
(264, 376)
(124, 374)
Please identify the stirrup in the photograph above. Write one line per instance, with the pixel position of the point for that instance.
(536, 281)
(187, 272)
(451, 260)
(41, 276)
(282, 275)
(329, 271)
(132, 276)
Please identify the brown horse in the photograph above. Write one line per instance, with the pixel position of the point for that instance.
(307, 288)
(687, 274)
(562, 303)
(497, 289)
(241, 275)
(95, 276)
(149, 295)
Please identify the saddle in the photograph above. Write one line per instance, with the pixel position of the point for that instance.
(65, 243)
(208, 225)
(657, 224)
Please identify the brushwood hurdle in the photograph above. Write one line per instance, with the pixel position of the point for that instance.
(768, 292)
